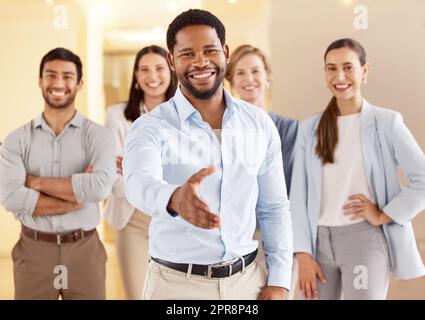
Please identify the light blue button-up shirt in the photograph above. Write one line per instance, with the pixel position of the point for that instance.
(167, 146)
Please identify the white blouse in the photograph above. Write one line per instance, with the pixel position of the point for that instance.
(346, 176)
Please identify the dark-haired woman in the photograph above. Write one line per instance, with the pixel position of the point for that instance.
(351, 217)
(153, 83)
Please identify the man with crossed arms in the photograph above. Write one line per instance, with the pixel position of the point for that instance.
(53, 172)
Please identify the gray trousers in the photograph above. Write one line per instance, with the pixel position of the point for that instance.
(355, 262)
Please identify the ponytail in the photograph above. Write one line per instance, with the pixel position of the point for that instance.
(327, 133)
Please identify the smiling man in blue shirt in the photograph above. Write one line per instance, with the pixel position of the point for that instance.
(205, 165)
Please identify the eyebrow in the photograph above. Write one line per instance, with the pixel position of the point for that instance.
(155, 65)
(209, 46)
(65, 72)
(333, 64)
(242, 69)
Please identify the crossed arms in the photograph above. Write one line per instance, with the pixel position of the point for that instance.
(23, 194)
(56, 194)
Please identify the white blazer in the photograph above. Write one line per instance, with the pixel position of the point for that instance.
(387, 144)
(118, 210)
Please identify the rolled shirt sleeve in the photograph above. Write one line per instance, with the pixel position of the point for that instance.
(96, 186)
(14, 195)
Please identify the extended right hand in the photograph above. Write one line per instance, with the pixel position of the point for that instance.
(187, 203)
(308, 269)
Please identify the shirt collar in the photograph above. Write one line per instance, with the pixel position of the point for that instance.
(76, 121)
(186, 110)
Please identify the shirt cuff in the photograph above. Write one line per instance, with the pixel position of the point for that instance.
(280, 277)
(391, 211)
(163, 197)
(302, 248)
(31, 202)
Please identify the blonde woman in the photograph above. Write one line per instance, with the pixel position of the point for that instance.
(249, 74)
(153, 83)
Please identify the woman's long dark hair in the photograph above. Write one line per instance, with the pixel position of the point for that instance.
(327, 132)
(136, 96)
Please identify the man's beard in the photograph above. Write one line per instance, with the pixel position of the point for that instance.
(206, 94)
(63, 105)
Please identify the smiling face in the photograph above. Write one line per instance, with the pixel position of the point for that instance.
(153, 75)
(199, 61)
(59, 83)
(344, 73)
(250, 79)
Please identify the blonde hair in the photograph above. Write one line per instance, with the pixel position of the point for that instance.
(241, 52)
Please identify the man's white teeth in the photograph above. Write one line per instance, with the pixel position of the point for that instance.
(202, 75)
(153, 84)
(342, 86)
(249, 88)
(58, 93)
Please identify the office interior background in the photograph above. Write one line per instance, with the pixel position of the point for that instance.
(106, 34)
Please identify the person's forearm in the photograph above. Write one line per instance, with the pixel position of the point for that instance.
(47, 205)
(60, 188)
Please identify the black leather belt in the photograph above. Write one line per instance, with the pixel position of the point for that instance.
(222, 270)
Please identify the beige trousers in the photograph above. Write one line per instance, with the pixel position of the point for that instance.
(163, 283)
(132, 251)
(45, 270)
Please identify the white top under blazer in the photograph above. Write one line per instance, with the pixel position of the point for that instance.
(346, 176)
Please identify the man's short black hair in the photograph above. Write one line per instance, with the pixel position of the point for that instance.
(65, 55)
(194, 17)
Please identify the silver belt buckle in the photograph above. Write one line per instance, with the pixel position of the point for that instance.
(218, 265)
(58, 239)
(77, 233)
